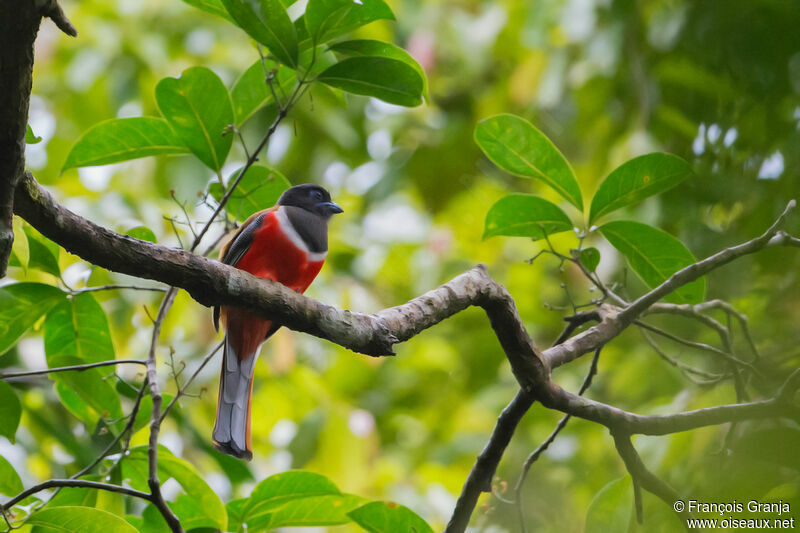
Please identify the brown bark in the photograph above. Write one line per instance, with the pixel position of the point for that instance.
(20, 24)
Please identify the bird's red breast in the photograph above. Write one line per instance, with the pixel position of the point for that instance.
(273, 254)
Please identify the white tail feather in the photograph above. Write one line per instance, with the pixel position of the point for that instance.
(230, 429)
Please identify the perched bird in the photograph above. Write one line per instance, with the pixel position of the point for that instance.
(286, 243)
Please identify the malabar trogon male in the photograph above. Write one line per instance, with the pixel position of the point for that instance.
(286, 243)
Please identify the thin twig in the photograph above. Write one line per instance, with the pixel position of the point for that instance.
(128, 427)
(534, 456)
(117, 287)
(155, 421)
(688, 371)
(181, 390)
(76, 368)
(699, 346)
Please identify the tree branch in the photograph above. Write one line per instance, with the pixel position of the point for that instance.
(480, 477)
(20, 23)
(615, 320)
(631, 423)
(51, 9)
(642, 477)
(55, 483)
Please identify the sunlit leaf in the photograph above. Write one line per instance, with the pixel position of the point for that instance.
(30, 137)
(76, 406)
(251, 91)
(143, 233)
(518, 147)
(10, 411)
(235, 508)
(389, 517)
(21, 305)
(198, 108)
(590, 258)
(639, 178)
(387, 79)
(525, 215)
(78, 327)
(654, 255)
(611, 508)
(215, 7)
(275, 490)
(296, 499)
(79, 520)
(259, 189)
(20, 251)
(42, 252)
(267, 22)
(91, 387)
(10, 483)
(367, 47)
(326, 19)
(123, 139)
(71, 496)
(203, 507)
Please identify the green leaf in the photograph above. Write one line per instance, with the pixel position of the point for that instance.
(590, 258)
(143, 233)
(91, 387)
(75, 405)
(30, 137)
(370, 48)
(214, 7)
(267, 22)
(610, 509)
(639, 178)
(10, 411)
(198, 108)
(123, 139)
(389, 517)
(79, 520)
(326, 19)
(70, 496)
(259, 189)
(251, 91)
(200, 508)
(20, 250)
(10, 483)
(235, 509)
(518, 147)
(296, 498)
(43, 253)
(654, 255)
(329, 510)
(78, 327)
(276, 490)
(387, 79)
(525, 215)
(21, 305)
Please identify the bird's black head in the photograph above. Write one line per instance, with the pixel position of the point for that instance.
(312, 198)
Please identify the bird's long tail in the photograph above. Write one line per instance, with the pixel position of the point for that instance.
(232, 428)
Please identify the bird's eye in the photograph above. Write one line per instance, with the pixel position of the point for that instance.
(317, 195)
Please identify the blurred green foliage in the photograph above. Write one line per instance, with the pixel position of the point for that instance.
(717, 83)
